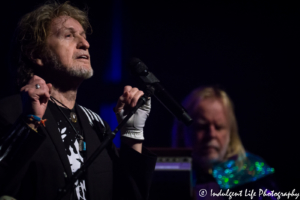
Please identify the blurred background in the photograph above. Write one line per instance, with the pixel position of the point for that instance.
(248, 48)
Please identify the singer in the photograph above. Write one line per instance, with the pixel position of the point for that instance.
(46, 136)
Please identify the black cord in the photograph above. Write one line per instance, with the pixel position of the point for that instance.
(55, 100)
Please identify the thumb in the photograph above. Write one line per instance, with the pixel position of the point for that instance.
(120, 105)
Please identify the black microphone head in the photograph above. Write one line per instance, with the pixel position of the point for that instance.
(137, 67)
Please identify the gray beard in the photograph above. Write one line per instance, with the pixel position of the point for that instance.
(52, 61)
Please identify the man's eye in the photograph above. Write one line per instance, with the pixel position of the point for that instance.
(201, 126)
(219, 127)
(68, 35)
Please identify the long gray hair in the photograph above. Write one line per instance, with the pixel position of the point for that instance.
(180, 137)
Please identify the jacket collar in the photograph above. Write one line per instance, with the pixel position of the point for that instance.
(52, 130)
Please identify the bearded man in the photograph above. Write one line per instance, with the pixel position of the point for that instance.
(35, 160)
(220, 161)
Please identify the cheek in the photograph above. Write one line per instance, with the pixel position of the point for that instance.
(194, 138)
(224, 141)
(198, 138)
(66, 57)
(64, 53)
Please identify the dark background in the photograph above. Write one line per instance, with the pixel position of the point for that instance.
(249, 48)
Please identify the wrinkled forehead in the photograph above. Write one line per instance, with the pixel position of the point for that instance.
(64, 22)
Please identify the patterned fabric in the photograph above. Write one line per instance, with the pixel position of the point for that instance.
(71, 144)
(74, 156)
(228, 174)
(92, 116)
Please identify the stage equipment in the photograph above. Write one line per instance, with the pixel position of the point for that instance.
(138, 68)
(173, 174)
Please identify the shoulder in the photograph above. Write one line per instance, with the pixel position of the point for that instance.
(10, 108)
(231, 174)
(92, 116)
(92, 119)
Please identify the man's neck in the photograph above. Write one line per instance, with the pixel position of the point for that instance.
(68, 98)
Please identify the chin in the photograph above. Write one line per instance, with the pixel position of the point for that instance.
(210, 158)
(76, 71)
(214, 160)
(81, 72)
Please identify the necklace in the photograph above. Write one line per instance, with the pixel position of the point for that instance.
(72, 115)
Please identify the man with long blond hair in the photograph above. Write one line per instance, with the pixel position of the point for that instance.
(219, 158)
(46, 136)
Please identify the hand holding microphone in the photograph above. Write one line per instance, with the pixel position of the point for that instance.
(134, 127)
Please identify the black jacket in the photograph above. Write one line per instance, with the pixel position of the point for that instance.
(39, 165)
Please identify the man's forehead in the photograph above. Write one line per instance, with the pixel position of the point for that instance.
(210, 110)
(62, 23)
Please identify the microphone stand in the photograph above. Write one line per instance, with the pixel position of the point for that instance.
(109, 137)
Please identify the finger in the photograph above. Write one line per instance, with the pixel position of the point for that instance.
(34, 79)
(43, 90)
(119, 107)
(136, 97)
(39, 81)
(125, 98)
(44, 98)
(130, 95)
(47, 94)
(25, 89)
(133, 91)
(120, 104)
(127, 88)
(22, 89)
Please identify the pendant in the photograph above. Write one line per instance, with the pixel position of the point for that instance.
(82, 145)
(73, 117)
(80, 142)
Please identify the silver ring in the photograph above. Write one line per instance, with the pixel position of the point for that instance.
(37, 86)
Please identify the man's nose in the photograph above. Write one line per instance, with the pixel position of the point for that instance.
(211, 131)
(83, 44)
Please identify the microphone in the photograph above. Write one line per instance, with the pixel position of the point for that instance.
(138, 68)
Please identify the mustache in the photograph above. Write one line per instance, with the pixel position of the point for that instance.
(203, 147)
